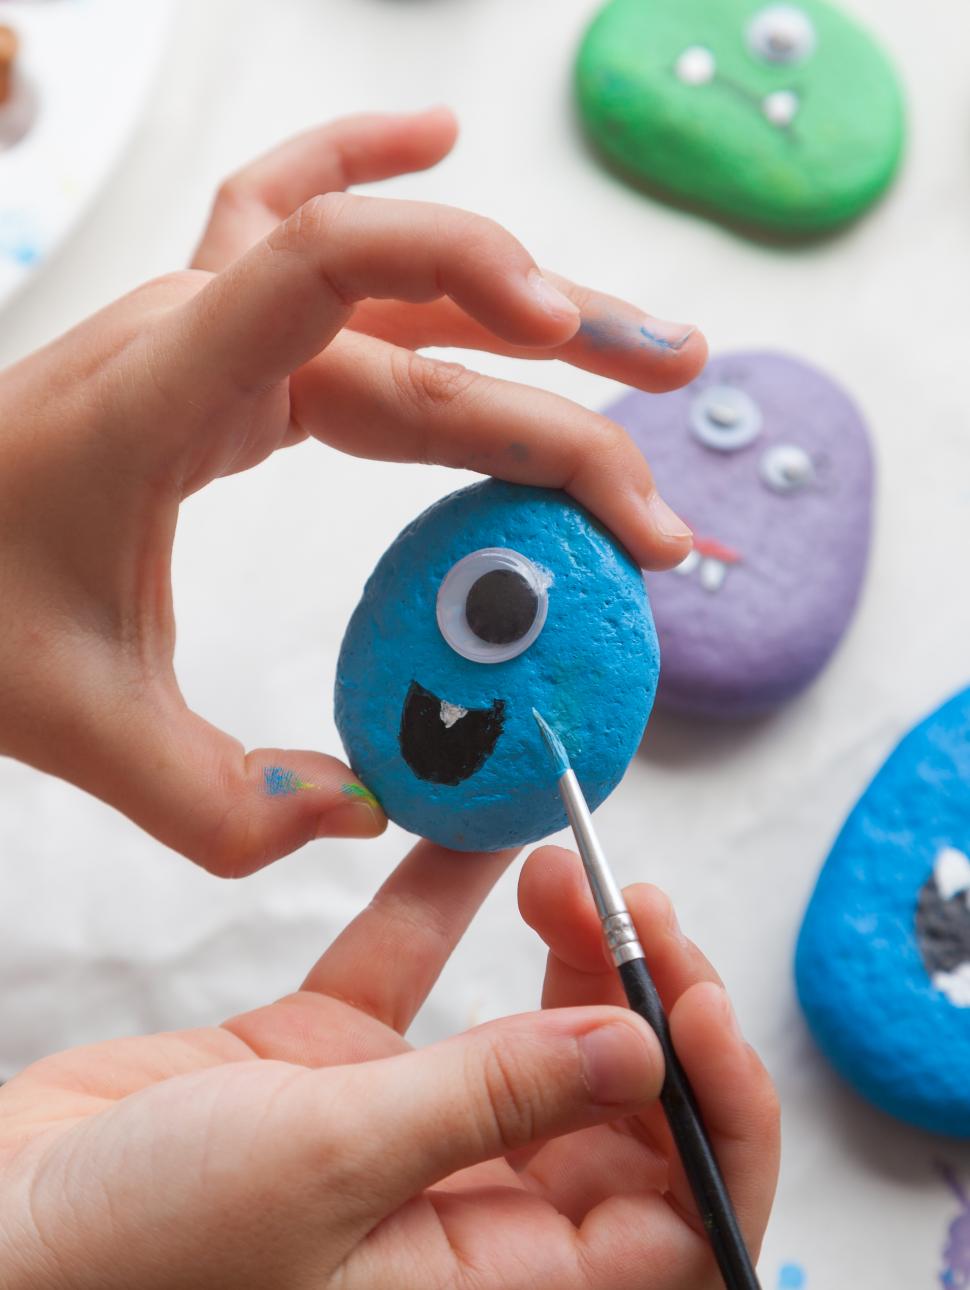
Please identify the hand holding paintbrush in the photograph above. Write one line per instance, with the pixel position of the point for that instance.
(698, 1158)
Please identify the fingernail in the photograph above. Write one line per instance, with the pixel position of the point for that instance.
(730, 1016)
(360, 793)
(666, 521)
(666, 335)
(619, 1065)
(674, 928)
(359, 816)
(550, 298)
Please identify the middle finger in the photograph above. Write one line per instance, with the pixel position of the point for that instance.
(615, 338)
(555, 901)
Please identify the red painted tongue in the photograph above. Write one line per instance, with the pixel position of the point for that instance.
(716, 550)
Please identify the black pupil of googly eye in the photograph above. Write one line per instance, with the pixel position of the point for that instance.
(501, 607)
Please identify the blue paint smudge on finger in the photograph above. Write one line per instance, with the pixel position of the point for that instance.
(280, 782)
(609, 333)
(661, 342)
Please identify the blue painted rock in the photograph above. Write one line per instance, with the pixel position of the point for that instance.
(769, 461)
(883, 958)
(497, 599)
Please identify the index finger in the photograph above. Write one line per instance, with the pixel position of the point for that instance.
(555, 901)
(386, 961)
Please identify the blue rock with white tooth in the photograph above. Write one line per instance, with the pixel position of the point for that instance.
(883, 958)
(498, 599)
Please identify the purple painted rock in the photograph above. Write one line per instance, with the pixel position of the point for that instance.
(769, 462)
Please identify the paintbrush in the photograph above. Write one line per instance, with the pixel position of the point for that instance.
(676, 1097)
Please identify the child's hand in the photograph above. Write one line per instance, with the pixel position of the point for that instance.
(304, 1144)
(203, 373)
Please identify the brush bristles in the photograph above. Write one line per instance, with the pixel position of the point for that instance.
(553, 743)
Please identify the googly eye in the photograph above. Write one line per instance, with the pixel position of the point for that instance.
(781, 33)
(725, 418)
(492, 605)
(786, 468)
(780, 107)
(695, 66)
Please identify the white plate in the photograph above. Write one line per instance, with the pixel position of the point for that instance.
(84, 70)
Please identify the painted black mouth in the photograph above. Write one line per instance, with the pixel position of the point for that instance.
(447, 754)
(942, 929)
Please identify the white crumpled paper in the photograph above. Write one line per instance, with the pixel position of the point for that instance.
(103, 932)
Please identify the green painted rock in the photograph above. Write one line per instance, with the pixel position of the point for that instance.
(781, 116)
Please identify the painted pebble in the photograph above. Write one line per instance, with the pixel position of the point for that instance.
(769, 461)
(883, 958)
(498, 599)
(783, 116)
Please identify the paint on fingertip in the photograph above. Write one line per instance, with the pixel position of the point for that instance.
(362, 794)
(280, 782)
(605, 333)
(646, 333)
(675, 340)
(791, 1277)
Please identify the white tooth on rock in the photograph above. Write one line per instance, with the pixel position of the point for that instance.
(955, 985)
(689, 563)
(450, 713)
(952, 873)
(713, 573)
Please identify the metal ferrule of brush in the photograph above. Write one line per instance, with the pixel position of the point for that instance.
(621, 939)
(618, 928)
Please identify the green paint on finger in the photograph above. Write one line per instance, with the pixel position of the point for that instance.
(362, 794)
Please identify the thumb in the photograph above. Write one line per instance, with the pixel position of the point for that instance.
(196, 789)
(418, 1117)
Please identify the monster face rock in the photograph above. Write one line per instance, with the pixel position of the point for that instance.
(498, 599)
(883, 959)
(769, 461)
(781, 116)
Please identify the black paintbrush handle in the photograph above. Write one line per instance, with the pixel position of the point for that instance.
(696, 1153)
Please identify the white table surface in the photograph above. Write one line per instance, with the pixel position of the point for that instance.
(104, 932)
